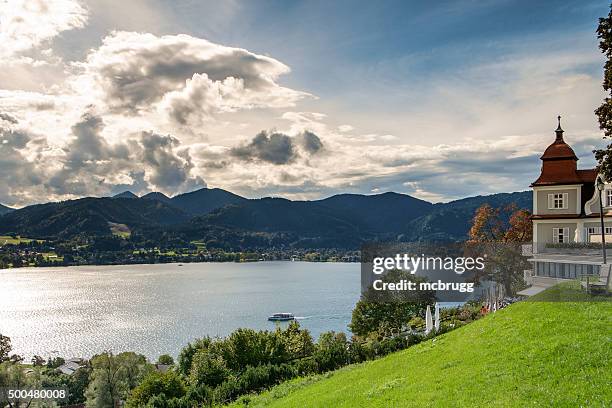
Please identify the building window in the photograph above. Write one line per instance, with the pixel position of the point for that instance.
(564, 270)
(597, 230)
(557, 201)
(560, 235)
(608, 198)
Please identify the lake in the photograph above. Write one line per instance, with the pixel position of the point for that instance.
(156, 309)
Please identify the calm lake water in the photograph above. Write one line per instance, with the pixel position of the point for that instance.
(157, 309)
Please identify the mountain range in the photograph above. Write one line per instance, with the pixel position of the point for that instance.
(224, 219)
(4, 209)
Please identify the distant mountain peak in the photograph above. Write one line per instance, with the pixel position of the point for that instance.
(125, 194)
(156, 195)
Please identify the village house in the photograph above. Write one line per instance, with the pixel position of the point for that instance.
(566, 218)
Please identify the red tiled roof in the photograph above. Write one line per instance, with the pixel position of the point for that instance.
(554, 177)
(559, 150)
(587, 175)
(559, 165)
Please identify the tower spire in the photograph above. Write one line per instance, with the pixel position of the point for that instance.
(559, 131)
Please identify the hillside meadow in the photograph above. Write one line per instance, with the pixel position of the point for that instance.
(533, 353)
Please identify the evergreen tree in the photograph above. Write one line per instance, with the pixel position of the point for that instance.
(604, 112)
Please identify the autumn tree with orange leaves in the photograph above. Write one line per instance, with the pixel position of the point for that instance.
(498, 233)
(506, 224)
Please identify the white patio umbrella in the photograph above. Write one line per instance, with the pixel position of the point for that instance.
(494, 297)
(428, 321)
(437, 317)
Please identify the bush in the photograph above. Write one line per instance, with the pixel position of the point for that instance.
(208, 369)
(373, 314)
(186, 355)
(264, 376)
(161, 386)
(332, 351)
(165, 359)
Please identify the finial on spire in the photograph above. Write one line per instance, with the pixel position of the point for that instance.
(559, 131)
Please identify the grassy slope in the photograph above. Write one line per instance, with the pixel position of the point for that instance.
(530, 354)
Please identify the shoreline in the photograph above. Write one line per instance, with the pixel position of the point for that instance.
(175, 263)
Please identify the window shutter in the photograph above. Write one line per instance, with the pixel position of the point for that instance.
(565, 201)
(550, 201)
(566, 234)
(555, 235)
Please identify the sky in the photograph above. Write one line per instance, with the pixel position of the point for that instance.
(296, 99)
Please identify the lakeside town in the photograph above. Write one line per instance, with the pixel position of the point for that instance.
(16, 252)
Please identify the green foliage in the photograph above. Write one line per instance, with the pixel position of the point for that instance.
(604, 112)
(113, 377)
(188, 352)
(156, 387)
(377, 313)
(38, 361)
(332, 351)
(77, 385)
(165, 359)
(55, 362)
(208, 368)
(537, 354)
(5, 347)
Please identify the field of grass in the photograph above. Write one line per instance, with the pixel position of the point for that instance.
(536, 354)
(8, 240)
(120, 230)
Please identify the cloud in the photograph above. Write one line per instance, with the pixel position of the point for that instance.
(192, 78)
(170, 171)
(20, 171)
(277, 148)
(90, 165)
(28, 24)
(310, 142)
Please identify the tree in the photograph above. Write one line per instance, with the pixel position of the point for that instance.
(604, 112)
(385, 313)
(165, 386)
(55, 362)
(113, 377)
(5, 347)
(165, 359)
(188, 352)
(497, 235)
(15, 376)
(298, 342)
(38, 361)
(208, 369)
(504, 224)
(332, 351)
(77, 385)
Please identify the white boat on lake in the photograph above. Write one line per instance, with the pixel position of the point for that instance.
(281, 317)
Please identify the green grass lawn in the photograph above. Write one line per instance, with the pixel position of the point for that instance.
(531, 354)
(120, 230)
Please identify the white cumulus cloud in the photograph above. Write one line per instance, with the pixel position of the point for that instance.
(27, 24)
(192, 78)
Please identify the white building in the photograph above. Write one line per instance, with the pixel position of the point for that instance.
(566, 216)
